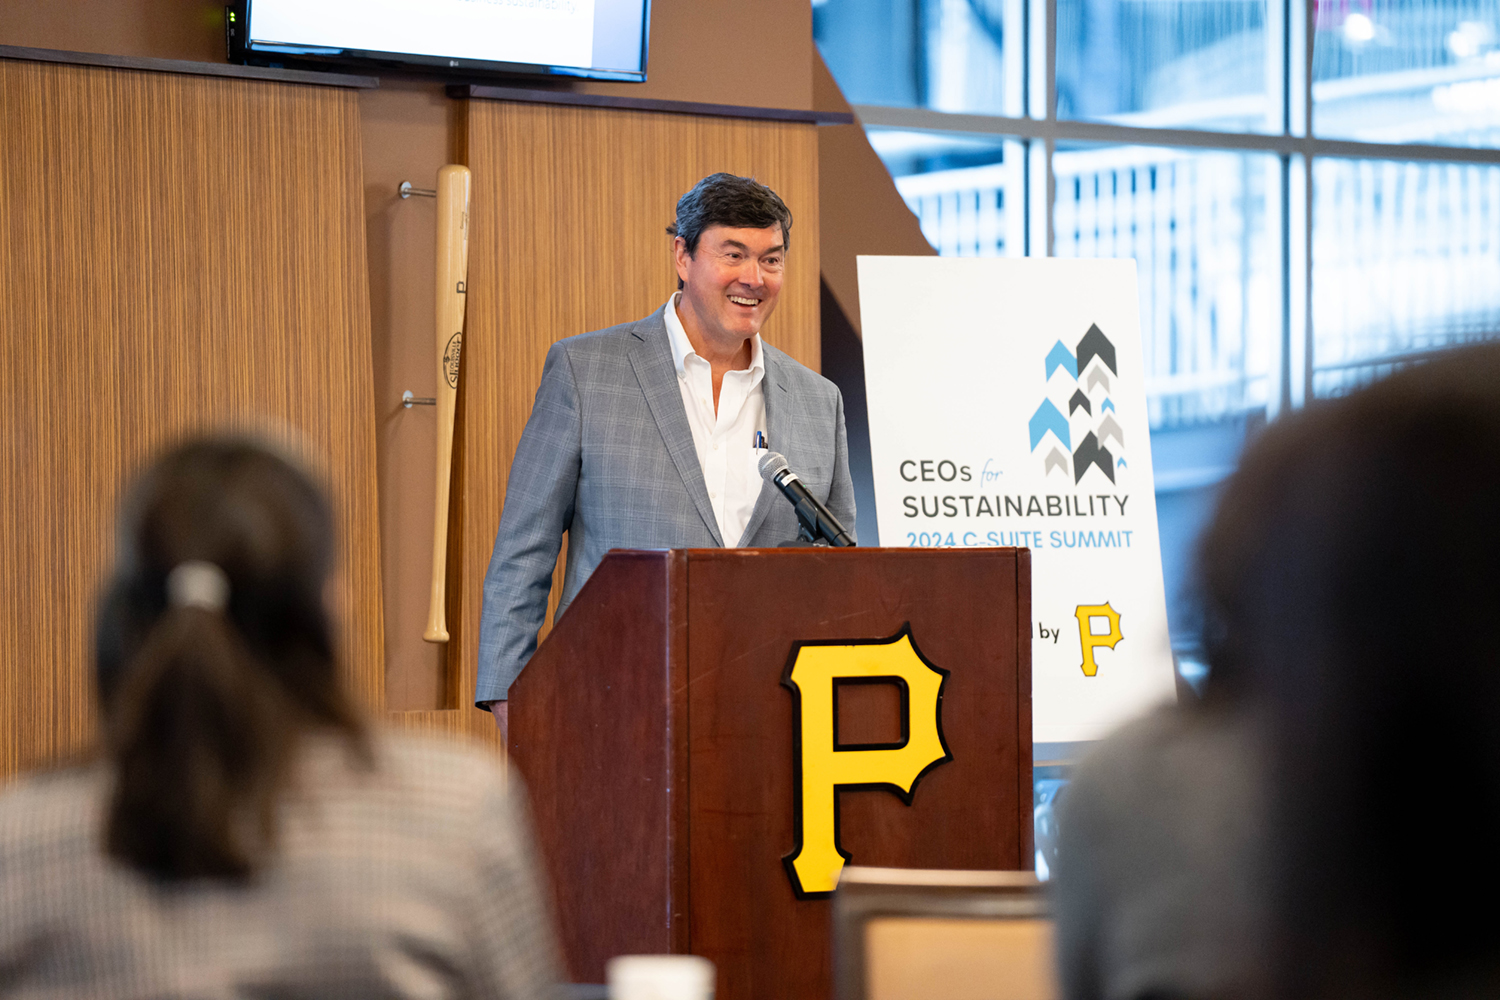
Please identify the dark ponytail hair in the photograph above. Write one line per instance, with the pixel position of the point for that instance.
(204, 706)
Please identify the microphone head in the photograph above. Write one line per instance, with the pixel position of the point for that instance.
(772, 464)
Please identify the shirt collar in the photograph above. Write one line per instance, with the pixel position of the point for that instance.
(682, 348)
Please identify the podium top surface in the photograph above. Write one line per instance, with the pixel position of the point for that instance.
(854, 552)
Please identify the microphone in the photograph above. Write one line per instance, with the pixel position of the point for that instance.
(814, 518)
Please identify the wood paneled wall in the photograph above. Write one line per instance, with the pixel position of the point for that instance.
(177, 254)
(567, 234)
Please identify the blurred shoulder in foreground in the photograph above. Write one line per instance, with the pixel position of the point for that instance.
(413, 876)
(1159, 880)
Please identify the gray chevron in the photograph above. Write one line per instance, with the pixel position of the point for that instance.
(1058, 458)
(1109, 429)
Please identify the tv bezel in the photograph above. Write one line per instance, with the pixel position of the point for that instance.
(241, 50)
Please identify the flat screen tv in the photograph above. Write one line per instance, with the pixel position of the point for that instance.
(604, 39)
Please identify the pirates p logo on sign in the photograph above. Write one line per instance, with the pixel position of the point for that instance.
(823, 768)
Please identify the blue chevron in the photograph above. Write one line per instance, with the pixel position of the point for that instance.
(1121, 464)
(1108, 404)
(1061, 357)
(1048, 418)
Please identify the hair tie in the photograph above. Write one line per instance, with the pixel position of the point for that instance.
(197, 584)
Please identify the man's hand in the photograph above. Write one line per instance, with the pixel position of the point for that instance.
(501, 711)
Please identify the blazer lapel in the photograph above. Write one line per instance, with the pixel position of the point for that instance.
(777, 420)
(652, 361)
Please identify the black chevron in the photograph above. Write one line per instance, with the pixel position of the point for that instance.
(1095, 343)
(1089, 453)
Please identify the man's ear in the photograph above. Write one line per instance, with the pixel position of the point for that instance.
(681, 256)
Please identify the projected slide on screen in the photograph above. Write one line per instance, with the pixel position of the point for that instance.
(545, 32)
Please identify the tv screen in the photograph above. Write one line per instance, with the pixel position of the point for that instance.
(593, 38)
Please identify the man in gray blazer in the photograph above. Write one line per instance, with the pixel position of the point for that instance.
(623, 449)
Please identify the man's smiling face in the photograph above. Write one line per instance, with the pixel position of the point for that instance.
(732, 281)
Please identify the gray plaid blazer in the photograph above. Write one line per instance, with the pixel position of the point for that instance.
(608, 457)
(415, 879)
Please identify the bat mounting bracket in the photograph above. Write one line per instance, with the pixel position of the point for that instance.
(406, 191)
(408, 400)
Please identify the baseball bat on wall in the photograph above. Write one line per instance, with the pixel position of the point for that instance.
(452, 278)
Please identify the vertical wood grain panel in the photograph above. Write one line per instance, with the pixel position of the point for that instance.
(177, 254)
(567, 235)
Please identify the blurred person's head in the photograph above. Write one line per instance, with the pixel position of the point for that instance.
(1352, 588)
(214, 653)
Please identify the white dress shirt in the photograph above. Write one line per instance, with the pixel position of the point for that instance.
(725, 440)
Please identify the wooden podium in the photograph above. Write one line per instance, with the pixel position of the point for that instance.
(660, 745)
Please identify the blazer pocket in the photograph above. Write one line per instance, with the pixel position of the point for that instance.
(819, 480)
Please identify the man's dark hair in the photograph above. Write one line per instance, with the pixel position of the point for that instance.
(726, 200)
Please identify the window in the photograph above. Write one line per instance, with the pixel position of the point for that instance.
(1406, 261)
(1415, 71)
(1166, 63)
(1278, 262)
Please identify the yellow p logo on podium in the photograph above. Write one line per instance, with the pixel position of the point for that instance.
(822, 767)
(1086, 613)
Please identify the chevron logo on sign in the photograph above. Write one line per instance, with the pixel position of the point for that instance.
(1076, 406)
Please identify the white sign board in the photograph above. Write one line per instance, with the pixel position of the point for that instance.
(1008, 407)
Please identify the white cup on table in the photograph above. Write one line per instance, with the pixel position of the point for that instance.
(660, 977)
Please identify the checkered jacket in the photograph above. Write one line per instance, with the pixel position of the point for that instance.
(414, 879)
(608, 457)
